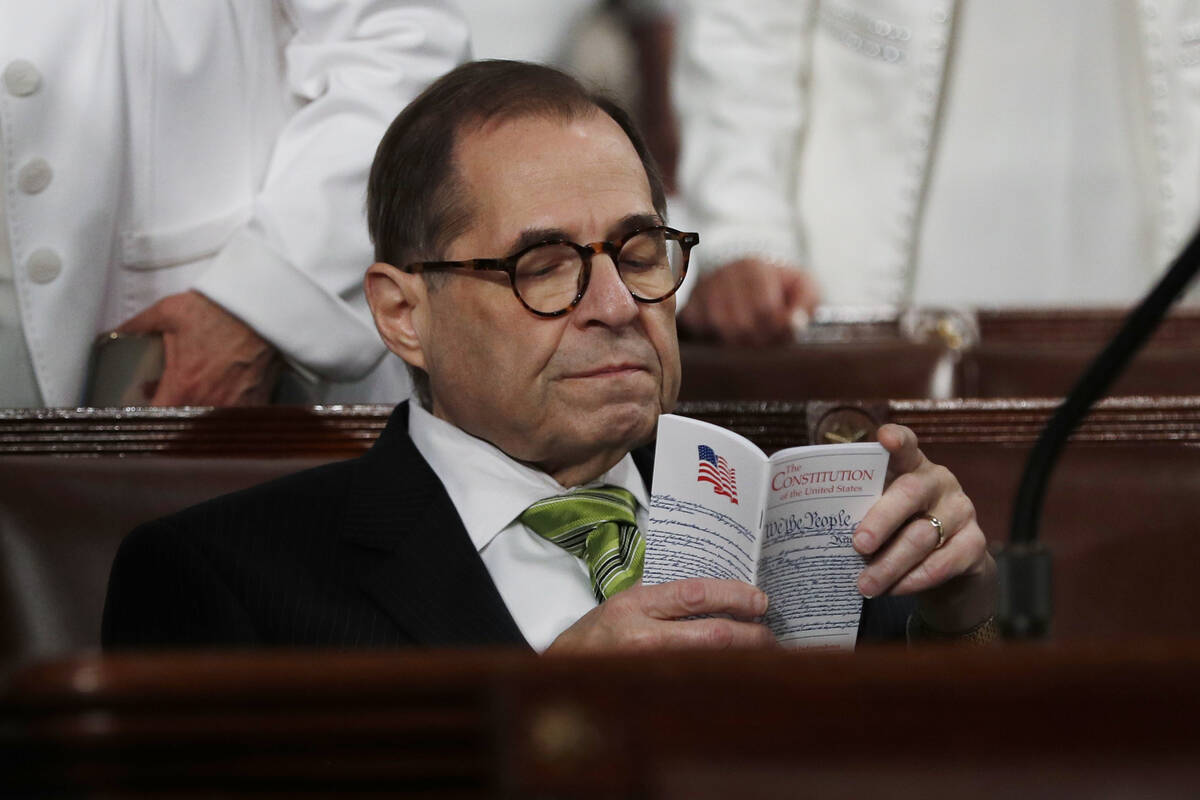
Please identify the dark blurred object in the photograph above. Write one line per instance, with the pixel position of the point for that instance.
(123, 370)
(1111, 721)
(61, 518)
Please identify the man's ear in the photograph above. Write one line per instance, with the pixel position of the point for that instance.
(400, 305)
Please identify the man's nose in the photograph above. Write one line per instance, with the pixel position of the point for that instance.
(607, 300)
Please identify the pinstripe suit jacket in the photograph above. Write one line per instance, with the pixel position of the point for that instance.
(357, 554)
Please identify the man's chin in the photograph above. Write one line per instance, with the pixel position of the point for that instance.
(590, 438)
(619, 410)
(627, 425)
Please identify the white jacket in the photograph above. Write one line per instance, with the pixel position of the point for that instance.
(215, 145)
(809, 129)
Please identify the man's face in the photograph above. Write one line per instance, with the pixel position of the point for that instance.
(569, 394)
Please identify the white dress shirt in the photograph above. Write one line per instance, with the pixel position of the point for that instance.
(545, 588)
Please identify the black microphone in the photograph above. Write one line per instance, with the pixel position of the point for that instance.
(1023, 609)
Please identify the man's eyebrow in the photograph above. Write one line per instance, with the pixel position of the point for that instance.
(532, 236)
(632, 223)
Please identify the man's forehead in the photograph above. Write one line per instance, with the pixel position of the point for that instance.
(524, 119)
(551, 173)
(541, 138)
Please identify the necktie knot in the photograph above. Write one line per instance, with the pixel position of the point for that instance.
(598, 525)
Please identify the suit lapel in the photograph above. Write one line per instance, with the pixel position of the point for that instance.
(429, 577)
(643, 459)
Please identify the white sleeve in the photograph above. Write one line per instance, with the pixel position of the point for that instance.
(741, 98)
(294, 271)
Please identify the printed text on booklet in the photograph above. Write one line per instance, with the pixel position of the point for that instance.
(721, 508)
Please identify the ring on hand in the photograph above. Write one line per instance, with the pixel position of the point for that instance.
(937, 526)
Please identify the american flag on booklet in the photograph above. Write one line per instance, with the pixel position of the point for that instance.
(715, 470)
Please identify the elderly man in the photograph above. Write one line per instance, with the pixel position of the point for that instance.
(525, 275)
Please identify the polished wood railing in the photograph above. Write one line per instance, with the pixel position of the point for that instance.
(1079, 721)
(345, 431)
(944, 353)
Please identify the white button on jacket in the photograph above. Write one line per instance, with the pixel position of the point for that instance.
(21, 78)
(35, 176)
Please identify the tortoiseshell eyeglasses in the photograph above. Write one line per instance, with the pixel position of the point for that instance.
(550, 277)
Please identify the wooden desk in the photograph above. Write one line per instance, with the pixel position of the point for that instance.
(885, 367)
(1042, 353)
(1085, 721)
(939, 354)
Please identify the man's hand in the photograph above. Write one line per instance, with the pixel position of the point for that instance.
(654, 618)
(749, 302)
(212, 358)
(955, 583)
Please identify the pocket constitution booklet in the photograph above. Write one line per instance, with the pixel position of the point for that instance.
(722, 508)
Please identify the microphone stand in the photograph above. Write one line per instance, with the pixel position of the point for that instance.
(1023, 609)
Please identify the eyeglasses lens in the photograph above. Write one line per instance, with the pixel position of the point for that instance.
(548, 277)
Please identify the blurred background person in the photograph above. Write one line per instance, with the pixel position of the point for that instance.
(933, 152)
(623, 47)
(198, 170)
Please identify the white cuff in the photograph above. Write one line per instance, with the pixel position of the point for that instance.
(309, 325)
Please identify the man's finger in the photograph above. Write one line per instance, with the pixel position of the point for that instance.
(800, 291)
(912, 544)
(911, 493)
(170, 390)
(169, 393)
(901, 444)
(715, 634)
(150, 320)
(747, 302)
(758, 295)
(736, 321)
(694, 596)
(960, 553)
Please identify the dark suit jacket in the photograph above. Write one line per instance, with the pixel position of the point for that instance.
(362, 553)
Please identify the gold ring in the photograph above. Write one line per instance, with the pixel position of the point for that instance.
(937, 526)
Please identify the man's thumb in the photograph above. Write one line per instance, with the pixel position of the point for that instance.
(151, 320)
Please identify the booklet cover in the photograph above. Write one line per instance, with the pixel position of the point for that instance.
(722, 508)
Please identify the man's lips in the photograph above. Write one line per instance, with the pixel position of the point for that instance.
(609, 371)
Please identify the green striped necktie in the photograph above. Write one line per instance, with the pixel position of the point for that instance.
(599, 526)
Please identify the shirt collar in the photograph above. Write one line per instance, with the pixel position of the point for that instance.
(490, 489)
